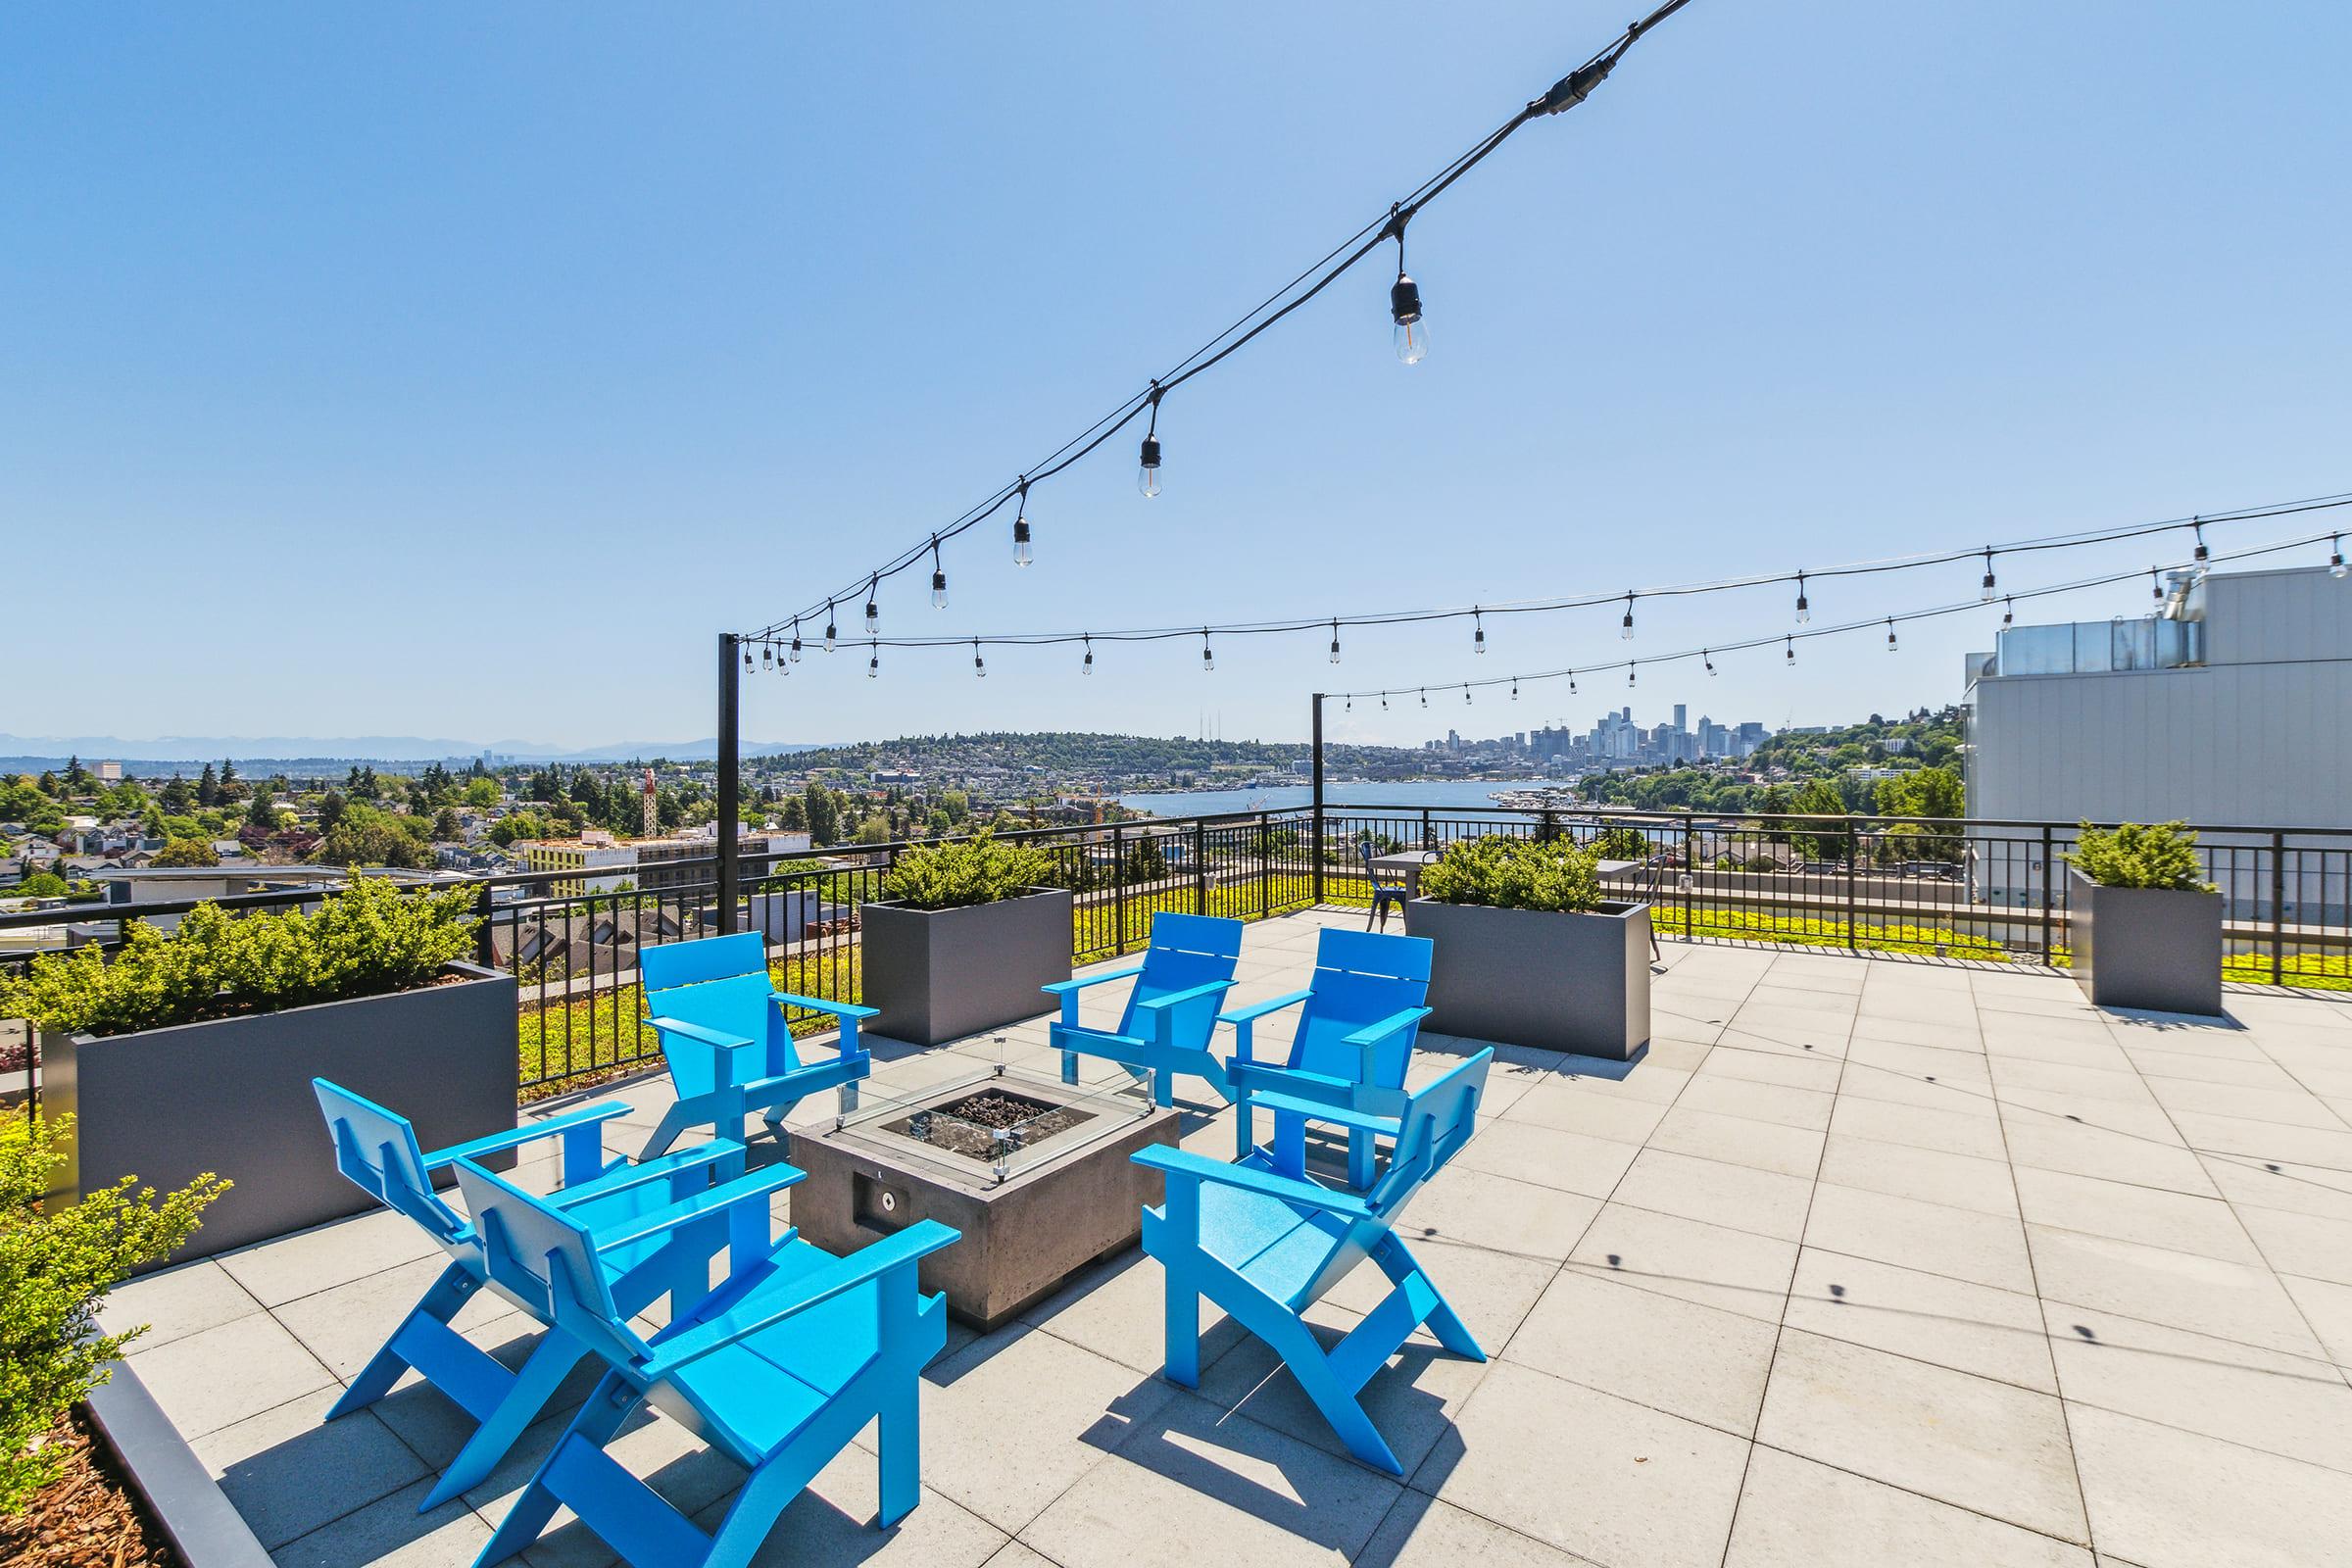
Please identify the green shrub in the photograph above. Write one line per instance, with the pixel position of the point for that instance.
(366, 941)
(1513, 873)
(2139, 856)
(980, 869)
(1622, 844)
(56, 1266)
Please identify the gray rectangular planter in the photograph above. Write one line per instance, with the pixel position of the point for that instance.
(232, 1096)
(2155, 949)
(941, 975)
(1557, 981)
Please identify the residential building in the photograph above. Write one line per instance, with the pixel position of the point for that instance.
(2230, 706)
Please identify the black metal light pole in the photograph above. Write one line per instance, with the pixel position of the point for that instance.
(730, 780)
(1317, 775)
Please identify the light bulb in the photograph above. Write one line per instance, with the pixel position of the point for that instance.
(1708, 661)
(2008, 611)
(831, 633)
(1147, 477)
(796, 642)
(1514, 688)
(1088, 669)
(1334, 642)
(979, 664)
(747, 661)
(1424, 697)
(873, 611)
(2202, 554)
(939, 590)
(1986, 596)
(1410, 335)
(1804, 611)
(1477, 633)
(1891, 635)
(2335, 560)
(1208, 656)
(1630, 672)
(873, 663)
(1465, 696)
(1792, 644)
(1626, 630)
(768, 657)
(1022, 556)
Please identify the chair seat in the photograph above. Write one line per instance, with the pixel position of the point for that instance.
(752, 1396)
(1279, 1249)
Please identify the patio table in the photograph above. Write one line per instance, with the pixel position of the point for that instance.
(1405, 865)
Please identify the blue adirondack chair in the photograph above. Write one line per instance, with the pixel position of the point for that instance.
(1265, 1247)
(1171, 1014)
(376, 1149)
(778, 1370)
(725, 1034)
(1362, 1012)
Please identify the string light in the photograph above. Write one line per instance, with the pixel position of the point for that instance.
(939, 577)
(873, 610)
(1335, 641)
(1629, 669)
(1792, 644)
(1626, 631)
(1147, 477)
(1804, 611)
(1707, 660)
(1572, 683)
(1022, 556)
(1986, 596)
(796, 642)
(1477, 632)
(1514, 688)
(2202, 555)
(1424, 697)
(1208, 656)
(2008, 610)
(1088, 669)
(747, 661)
(2156, 584)
(2335, 557)
(1465, 694)
(873, 661)
(979, 664)
(1891, 634)
(1410, 335)
(831, 633)
(768, 657)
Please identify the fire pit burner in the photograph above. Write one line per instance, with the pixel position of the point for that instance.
(985, 1124)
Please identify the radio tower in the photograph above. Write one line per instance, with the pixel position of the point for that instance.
(653, 818)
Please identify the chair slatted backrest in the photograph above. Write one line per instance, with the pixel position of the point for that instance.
(719, 983)
(376, 1150)
(1360, 978)
(1439, 1119)
(1187, 950)
(545, 1262)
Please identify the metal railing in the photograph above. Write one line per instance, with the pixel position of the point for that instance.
(1969, 890)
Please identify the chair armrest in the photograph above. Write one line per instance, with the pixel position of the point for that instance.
(1258, 1009)
(696, 1033)
(1188, 1167)
(1210, 988)
(869, 1262)
(760, 1186)
(1372, 1034)
(500, 1143)
(1063, 987)
(839, 1010)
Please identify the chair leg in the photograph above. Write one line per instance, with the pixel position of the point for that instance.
(1183, 1317)
(901, 1445)
(440, 1303)
(595, 1425)
(674, 1122)
(1303, 1353)
(1396, 1260)
(550, 1363)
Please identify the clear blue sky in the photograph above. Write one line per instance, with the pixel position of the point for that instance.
(462, 370)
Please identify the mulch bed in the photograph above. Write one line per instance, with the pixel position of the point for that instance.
(91, 1518)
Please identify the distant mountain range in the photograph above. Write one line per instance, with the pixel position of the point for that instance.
(17, 751)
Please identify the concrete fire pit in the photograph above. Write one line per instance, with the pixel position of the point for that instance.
(1033, 1171)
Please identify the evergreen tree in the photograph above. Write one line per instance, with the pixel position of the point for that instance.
(207, 787)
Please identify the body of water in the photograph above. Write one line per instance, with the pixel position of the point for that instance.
(1435, 792)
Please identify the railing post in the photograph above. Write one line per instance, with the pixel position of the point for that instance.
(485, 952)
(1118, 888)
(1429, 837)
(1853, 852)
(2278, 908)
(1199, 865)
(1315, 857)
(730, 781)
(1690, 871)
(2050, 881)
(1265, 864)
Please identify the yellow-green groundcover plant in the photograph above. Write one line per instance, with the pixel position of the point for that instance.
(56, 1266)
